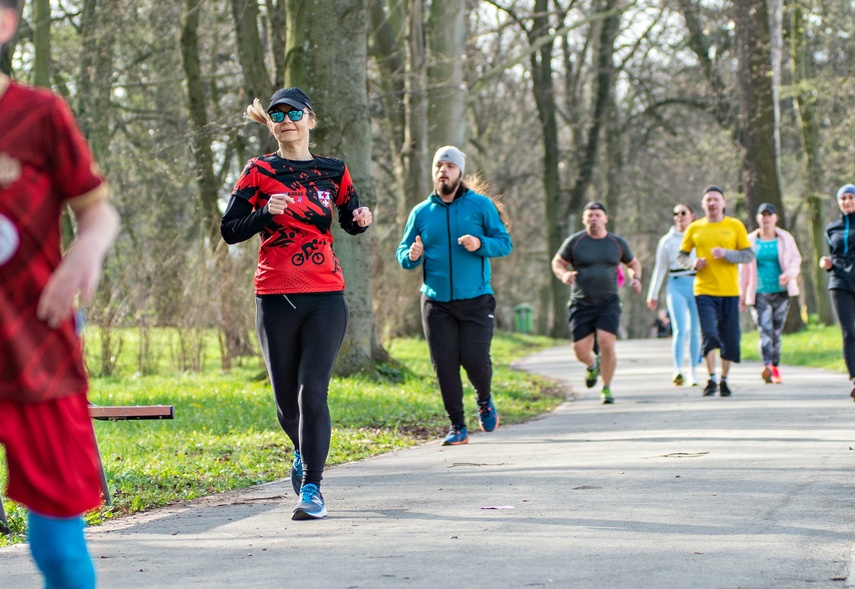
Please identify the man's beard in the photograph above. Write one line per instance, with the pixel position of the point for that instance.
(446, 188)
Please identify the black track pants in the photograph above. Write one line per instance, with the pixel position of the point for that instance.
(844, 306)
(300, 337)
(458, 334)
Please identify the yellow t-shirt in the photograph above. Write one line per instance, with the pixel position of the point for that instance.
(719, 278)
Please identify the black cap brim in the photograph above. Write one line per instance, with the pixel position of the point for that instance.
(289, 101)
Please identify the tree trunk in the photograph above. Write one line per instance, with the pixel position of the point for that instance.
(208, 212)
(804, 104)
(446, 97)
(342, 103)
(756, 107)
(276, 38)
(388, 52)
(95, 78)
(414, 151)
(41, 43)
(544, 97)
(251, 57)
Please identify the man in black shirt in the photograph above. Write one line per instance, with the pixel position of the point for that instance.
(588, 261)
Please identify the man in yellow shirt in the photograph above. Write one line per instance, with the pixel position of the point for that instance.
(720, 243)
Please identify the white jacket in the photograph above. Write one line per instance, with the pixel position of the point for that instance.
(666, 262)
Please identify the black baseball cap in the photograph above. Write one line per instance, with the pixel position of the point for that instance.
(292, 97)
(595, 206)
(767, 208)
(712, 188)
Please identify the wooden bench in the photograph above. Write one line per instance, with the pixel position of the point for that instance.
(110, 413)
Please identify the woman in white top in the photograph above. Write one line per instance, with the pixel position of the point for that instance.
(680, 297)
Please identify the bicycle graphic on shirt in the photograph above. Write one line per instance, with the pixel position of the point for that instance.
(309, 252)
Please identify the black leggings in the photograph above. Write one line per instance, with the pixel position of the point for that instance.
(844, 306)
(300, 336)
(458, 334)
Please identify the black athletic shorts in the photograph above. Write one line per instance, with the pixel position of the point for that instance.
(585, 318)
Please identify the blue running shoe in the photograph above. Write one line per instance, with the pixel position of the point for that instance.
(311, 504)
(488, 417)
(457, 435)
(297, 473)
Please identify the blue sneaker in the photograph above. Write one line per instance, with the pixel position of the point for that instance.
(297, 473)
(311, 504)
(488, 417)
(457, 435)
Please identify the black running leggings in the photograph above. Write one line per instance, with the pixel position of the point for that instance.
(300, 336)
(844, 306)
(459, 333)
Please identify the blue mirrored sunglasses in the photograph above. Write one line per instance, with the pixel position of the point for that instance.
(277, 116)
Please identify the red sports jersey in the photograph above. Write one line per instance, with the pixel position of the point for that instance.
(44, 162)
(296, 251)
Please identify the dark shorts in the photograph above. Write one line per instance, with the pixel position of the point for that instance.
(720, 325)
(585, 318)
(52, 456)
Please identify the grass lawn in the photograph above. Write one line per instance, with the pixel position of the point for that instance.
(818, 346)
(225, 434)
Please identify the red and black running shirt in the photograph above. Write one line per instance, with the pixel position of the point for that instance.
(296, 252)
(44, 163)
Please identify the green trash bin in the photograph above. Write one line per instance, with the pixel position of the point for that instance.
(522, 318)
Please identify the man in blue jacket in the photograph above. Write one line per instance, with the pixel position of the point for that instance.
(452, 235)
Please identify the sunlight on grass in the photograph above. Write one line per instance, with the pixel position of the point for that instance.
(225, 434)
(818, 346)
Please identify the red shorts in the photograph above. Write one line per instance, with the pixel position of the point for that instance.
(54, 468)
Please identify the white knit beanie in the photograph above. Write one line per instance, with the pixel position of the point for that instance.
(449, 153)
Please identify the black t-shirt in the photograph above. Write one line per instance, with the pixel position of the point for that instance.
(596, 261)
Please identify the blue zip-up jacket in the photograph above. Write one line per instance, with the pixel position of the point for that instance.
(450, 272)
(840, 236)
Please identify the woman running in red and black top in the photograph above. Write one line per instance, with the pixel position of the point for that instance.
(301, 313)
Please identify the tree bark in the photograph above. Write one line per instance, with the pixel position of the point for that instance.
(95, 78)
(208, 212)
(804, 104)
(543, 86)
(341, 102)
(446, 97)
(251, 57)
(414, 152)
(387, 50)
(41, 43)
(756, 107)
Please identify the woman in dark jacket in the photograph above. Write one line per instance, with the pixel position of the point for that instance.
(840, 236)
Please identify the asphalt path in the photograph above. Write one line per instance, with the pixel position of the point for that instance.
(663, 489)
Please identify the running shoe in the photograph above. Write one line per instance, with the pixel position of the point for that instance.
(297, 473)
(852, 394)
(711, 388)
(678, 379)
(723, 389)
(766, 374)
(488, 417)
(776, 375)
(311, 504)
(457, 435)
(591, 374)
(606, 394)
